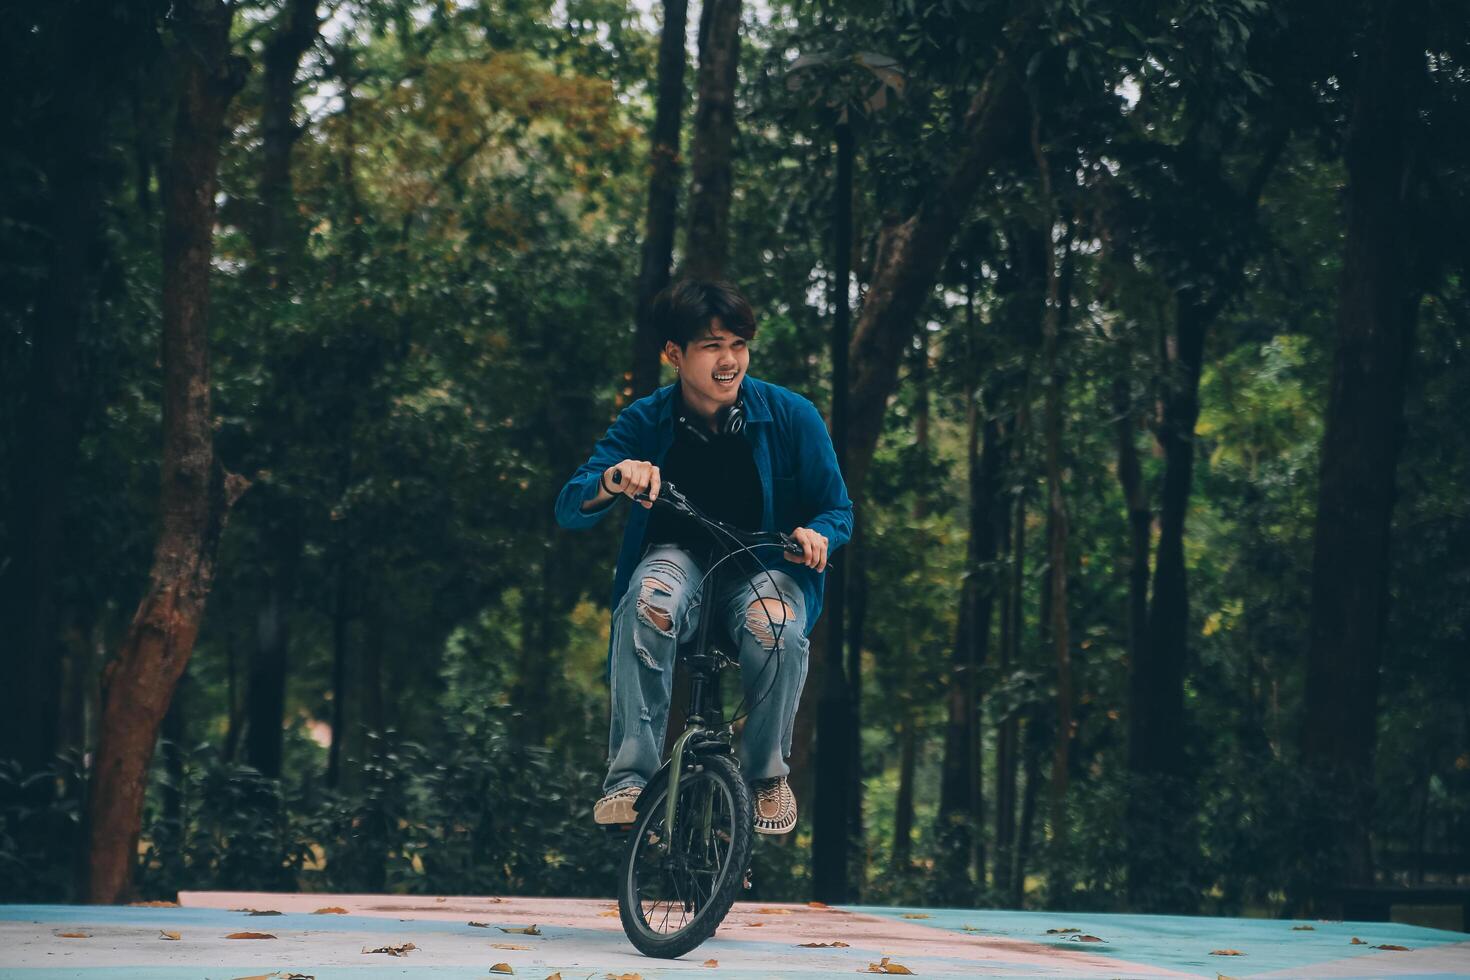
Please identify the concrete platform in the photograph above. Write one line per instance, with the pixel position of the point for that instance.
(582, 938)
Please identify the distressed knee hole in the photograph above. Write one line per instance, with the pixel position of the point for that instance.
(764, 616)
(656, 616)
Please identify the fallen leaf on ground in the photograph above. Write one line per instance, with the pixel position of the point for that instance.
(330, 910)
(555, 976)
(917, 915)
(264, 912)
(400, 950)
(755, 925)
(501, 968)
(250, 935)
(839, 944)
(610, 914)
(1226, 952)
(1400, 949)
(527, 931)
(1054, 932)
(712, 964)
(1303, 928)
(817, 905)
(75, 935)
(1221, 976)
(1086, 939)
(441, 899)
(479, 925)
(153, 905)
(888, 966)
(507, 946)
(972, 928)
(295, 976)
(165, 934)
(1357, 942)
(624, 976)
(770, 911)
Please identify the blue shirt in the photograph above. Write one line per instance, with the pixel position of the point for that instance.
(801, 485)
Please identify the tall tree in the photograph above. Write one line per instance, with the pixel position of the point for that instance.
(196, 492)
(276, 239)
(707, 243)
(1377, 309)
(663, 194)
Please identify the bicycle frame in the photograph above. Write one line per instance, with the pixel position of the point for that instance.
(704, 665)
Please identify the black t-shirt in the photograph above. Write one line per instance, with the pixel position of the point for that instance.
(718, 476)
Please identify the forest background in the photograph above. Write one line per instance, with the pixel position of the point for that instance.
(1152, 410)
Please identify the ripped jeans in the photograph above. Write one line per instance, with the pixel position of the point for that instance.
(661, 610)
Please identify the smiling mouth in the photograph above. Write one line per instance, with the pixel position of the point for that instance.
(725, 379)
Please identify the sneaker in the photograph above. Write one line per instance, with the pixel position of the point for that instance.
(775, 806)
(617, 807)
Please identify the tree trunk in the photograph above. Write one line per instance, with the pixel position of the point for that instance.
(1377, 307)
(707, 241)
(1140, 521)
(960, 816)
(663, 195)
(1059, 629)
(1007, 741)
(196, 492)
(903, 807)
(265, 706)
(1025, 832)
(910, 255)
(278, 130)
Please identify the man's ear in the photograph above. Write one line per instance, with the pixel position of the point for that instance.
(672, 353)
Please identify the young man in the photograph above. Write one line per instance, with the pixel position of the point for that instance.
(746, 452)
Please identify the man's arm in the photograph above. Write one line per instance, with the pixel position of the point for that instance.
(582, 501)
(820, 478)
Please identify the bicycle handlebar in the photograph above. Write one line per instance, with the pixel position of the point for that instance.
(670, 496)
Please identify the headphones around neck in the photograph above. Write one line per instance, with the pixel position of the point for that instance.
(729, 421)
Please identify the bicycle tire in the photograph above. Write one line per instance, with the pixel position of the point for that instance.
(641, 883)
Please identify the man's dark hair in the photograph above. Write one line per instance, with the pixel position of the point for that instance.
(683, 310)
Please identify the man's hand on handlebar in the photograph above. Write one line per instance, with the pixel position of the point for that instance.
(813, 548)
(632, 477)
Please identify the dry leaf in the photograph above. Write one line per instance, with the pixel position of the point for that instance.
(610, 914)
(400, 950)
(917, 915)
(1400, 949)
(817, 905)
(507, 946)
(441, 899)
(165, 934)
(296, 976)
(712, 964)
(479, 925)
(330, 910)
(501, 968)
(75, 935)
(1221, 976)
(769, 911)
(555, 976)
(888, 966)
(839, 944)
(1054, 932)
(153, 905)
(1303, 928)
(250, 935)
(264, 912)
(755, 925)
(1086, 939)
(1226, 952)
(1357, 942)
(624, 976)
(972, 928)
(527, 931)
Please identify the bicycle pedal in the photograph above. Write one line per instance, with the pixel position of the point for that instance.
(748, 883)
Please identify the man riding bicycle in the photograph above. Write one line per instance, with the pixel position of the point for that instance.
(746, 452)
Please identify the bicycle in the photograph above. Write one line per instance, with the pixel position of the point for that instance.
(689, 850)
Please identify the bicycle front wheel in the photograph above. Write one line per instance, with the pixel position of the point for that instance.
(676, 888)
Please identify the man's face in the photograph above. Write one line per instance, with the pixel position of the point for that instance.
(713, 364)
